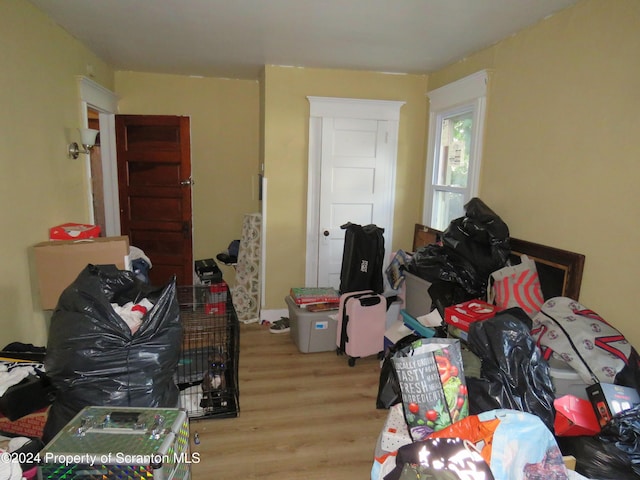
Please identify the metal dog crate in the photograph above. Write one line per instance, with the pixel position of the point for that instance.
(207, 372)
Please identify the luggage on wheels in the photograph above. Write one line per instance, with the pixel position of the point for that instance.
(362, 258)
(361, 325)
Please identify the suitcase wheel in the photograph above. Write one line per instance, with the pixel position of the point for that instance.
(352, 361)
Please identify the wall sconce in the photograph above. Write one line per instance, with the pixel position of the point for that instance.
(88, 139)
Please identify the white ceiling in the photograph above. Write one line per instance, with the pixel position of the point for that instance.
(235, 38)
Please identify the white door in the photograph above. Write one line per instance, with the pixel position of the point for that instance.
(351, 179)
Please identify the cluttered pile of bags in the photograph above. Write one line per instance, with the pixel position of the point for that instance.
(94, 357)
(485, 405)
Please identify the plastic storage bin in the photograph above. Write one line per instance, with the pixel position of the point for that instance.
(417, 299)
(311, 331)
(566, 380)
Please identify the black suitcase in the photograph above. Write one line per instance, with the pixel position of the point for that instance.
(362, 258)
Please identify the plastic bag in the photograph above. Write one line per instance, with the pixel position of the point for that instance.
(431, 378)
(388, 387)
(438, 263)
(481, 237)
(472, 248)
(441, 458)
(514, 374)
(599, 459)
(623, 431)
(94, 359)
(500, 433)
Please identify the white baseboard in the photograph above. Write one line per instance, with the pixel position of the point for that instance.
(273, 315)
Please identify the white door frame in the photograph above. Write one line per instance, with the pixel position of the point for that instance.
(333, 107)
(95, 96)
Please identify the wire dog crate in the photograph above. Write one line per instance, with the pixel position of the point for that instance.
(207, 373)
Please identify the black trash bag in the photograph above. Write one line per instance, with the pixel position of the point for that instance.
(439, 263)
(473, 247)
(481, 237)
(514, 373)
(388, 387)
(623, 431)
(444, 294)
(596, 458)
(94, 359)
(629, 376)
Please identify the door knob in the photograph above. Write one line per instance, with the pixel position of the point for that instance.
(187, 182)
(326, 233)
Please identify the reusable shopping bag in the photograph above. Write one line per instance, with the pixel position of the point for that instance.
(432, 385)
(516, 286)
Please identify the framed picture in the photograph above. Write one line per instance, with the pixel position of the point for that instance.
(560, 271)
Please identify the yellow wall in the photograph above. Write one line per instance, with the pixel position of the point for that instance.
(562, 159)
(224, 118)
(286, 139)
(41, 187)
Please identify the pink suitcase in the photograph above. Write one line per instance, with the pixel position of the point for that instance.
(361, 324)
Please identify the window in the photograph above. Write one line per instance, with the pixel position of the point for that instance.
(456, 122)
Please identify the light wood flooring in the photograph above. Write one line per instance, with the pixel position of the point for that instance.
(302, 416)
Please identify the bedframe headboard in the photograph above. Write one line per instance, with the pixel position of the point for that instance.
(560, 271)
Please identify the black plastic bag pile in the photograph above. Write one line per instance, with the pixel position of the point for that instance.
(472, 248)
(614, 454)
(513, 375)
(93, 358)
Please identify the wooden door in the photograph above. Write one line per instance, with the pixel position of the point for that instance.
(154, 183)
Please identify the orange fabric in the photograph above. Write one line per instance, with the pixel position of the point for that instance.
(473, 430)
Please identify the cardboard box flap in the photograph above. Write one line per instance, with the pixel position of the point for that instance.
(58, 263)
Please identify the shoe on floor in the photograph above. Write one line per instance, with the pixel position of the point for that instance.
(280, 326)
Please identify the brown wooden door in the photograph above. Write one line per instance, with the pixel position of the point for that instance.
(154, 177)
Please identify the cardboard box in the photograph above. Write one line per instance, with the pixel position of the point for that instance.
(59, 263)
(574, 417)
(463, 314)
(608, 399)
(74, 231)
(569, 462)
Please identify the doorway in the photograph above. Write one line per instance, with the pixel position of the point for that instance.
(352, 164)
(96, 99)
(154, 182)
(97, 179)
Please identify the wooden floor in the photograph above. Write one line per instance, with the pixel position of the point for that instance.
(302, 416)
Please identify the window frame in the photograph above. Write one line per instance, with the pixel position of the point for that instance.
(464, 95)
